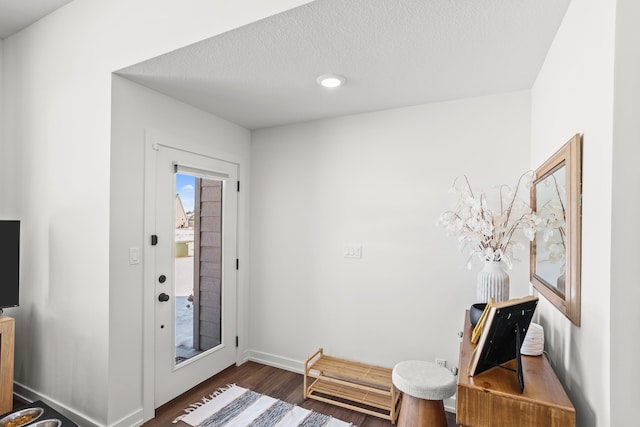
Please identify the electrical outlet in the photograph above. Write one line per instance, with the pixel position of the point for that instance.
(441, 362)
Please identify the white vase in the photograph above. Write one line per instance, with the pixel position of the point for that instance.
(493, 282)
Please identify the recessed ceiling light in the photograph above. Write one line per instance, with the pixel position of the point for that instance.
(331, 80)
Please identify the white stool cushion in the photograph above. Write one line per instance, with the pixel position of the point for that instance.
(424, 380)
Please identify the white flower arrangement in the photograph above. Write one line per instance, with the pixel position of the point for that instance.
(487, 233)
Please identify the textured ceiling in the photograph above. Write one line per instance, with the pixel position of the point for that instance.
(18, 14)
(393, 53)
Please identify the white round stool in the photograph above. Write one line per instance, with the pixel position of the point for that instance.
(424, 385)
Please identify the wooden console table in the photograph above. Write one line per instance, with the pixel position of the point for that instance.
(7, 331)
(493, 398)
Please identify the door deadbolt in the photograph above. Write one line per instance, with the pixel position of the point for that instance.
(162, 278)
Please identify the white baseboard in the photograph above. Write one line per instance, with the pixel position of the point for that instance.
(276, 361)
(27, 394)
(450, 404)
(298, 367)
(135, 419)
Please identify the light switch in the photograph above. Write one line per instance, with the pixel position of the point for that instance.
(134, 256)
(352, 251)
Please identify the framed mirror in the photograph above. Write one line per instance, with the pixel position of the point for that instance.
(555, 251)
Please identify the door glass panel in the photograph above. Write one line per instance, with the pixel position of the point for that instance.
(198, 265)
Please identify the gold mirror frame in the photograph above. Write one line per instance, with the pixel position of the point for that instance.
(556, 249)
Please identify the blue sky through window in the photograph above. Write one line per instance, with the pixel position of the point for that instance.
(185, 187)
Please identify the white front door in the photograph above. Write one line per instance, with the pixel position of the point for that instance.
(195, 251)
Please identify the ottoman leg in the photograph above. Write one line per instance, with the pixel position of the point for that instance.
(416, 412)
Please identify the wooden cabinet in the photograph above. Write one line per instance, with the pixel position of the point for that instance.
(7, 331)
(493, 398)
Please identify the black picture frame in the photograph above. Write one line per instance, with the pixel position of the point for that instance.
(503, 331)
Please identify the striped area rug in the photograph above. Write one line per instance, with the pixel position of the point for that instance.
(238, 407)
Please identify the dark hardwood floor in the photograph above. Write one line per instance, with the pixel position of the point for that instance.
(274, 382)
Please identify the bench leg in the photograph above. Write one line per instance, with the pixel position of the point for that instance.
(416, 412)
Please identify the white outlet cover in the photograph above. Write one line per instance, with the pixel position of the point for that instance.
(352, 251)
(134, 256)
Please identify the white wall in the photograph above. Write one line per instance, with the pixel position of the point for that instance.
(135, 111)
(625, 252)
(57, 91)
(379, 180)
(574, 94)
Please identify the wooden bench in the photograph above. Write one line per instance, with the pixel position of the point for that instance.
(353, 385)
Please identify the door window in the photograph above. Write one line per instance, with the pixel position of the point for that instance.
(198, 265)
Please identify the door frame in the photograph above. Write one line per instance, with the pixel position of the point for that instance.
(154, 140)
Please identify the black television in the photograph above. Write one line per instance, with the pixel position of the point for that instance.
(9, 263)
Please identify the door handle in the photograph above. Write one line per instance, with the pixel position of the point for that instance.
(163, 297)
